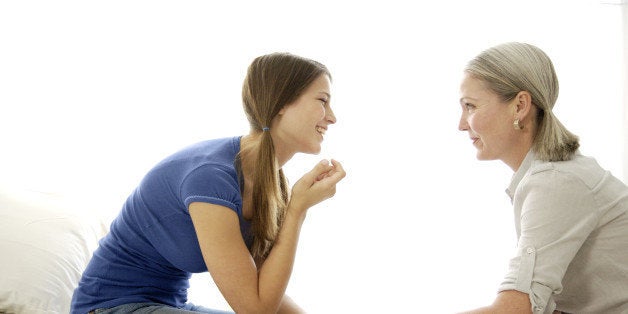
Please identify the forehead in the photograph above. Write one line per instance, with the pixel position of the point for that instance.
(470, 82)
(320, 85)
(472, 87)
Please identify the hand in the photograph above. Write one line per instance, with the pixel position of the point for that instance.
(317, 185)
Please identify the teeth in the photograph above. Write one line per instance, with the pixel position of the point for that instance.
(320, 130)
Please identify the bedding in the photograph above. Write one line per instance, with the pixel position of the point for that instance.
(45, 243)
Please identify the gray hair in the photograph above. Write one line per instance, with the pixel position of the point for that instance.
(510, 68)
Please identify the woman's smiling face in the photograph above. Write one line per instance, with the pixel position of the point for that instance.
(487, 119)
(301, 125)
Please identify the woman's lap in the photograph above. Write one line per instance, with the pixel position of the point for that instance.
(147, 308)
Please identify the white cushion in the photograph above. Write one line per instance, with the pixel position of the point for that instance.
(45, 244)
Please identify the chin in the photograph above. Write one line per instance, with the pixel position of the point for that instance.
(481, 156)
(484, 157)
(313, 150)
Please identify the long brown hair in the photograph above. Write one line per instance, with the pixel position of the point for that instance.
(272, 82)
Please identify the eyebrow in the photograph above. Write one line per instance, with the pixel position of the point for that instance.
(326, 93)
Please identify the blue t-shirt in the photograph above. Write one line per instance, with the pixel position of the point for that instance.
(151, 249)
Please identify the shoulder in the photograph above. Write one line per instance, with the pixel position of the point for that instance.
(556, 188)
(579, 171)
(226, 147)
(211, 175)
(220, 152)
(204, 171)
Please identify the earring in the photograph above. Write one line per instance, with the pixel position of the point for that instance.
(516, 125)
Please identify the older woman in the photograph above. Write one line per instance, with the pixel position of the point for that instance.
(571, 216)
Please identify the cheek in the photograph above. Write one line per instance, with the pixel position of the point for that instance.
(321, 113)
(475, 123)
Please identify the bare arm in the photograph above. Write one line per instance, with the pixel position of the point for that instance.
(289, 307)
(507, 302)
(246, 288)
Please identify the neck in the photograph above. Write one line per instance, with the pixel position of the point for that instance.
(519, 151)
(282, 156)
(249, 147)
(515, 162)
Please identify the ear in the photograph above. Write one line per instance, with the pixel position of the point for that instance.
(523, 105)
(282, 111)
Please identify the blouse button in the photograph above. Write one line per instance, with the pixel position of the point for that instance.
(530, 250)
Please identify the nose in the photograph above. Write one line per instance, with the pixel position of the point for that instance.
(463, 125)
(330, 117)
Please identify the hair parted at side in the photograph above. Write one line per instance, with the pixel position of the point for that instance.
(272, 82)
(510, 68)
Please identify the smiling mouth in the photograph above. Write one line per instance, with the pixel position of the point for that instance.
(321, 130)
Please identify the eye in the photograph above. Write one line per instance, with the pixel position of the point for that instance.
(323, 100)
(468, 106)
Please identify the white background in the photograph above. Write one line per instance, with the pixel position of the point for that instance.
(92, 94)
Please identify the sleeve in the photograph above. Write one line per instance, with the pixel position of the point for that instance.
(171, 233)
(557, 215)
(211, 183)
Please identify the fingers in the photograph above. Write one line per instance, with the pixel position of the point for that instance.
(322, 176)
(318, 184)
(320, 171)
(339, 171)
(336, 172)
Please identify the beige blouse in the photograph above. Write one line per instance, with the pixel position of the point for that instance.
(571, 219)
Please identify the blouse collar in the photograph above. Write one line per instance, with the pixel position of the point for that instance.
(520, 173)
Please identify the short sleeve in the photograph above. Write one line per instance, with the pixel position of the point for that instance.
(212, 183)
(558, 212)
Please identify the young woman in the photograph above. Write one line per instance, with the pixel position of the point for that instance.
(222, 206)
(571, 215)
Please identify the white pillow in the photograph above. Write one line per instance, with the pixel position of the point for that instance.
(45, 244)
